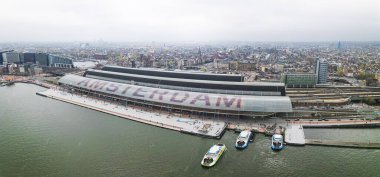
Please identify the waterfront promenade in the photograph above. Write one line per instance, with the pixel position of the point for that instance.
(352, 144)
(207, 128)
(337, 123)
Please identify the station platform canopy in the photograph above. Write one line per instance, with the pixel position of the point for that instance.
(176, 74)
(211, 101)
(242, 88)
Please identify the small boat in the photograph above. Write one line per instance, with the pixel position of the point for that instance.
(10, 83)
(243, 139)
(277, 142)
(213, 154)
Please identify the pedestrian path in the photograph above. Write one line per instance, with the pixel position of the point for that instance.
(320, 142)
(208, 128)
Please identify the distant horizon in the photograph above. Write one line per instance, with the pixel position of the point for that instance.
(216, 41)
(189, 20)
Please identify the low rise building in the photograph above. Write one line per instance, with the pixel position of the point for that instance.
(242, 66)
(301, 80)
(221, 64)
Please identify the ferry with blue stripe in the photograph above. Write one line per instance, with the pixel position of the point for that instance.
(277, 142)
(213, 154)
(243, 139)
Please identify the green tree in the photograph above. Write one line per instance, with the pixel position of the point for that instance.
(365, 76)
(369, 100)
(203, 69)
(340, 72)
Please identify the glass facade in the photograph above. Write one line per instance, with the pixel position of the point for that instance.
(321, 71)
(60, 62)
(299, 80)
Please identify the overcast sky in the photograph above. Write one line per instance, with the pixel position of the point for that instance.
(189, 20)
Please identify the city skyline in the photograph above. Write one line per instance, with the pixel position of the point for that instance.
(193, 21)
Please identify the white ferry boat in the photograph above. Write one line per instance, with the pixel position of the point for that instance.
(243, 139)
(213, 155)
(277, 142)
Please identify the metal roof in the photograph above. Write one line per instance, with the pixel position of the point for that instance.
(193, 80)
(175, 71)
(183, 98)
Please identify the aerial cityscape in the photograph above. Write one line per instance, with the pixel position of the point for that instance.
(145, 88)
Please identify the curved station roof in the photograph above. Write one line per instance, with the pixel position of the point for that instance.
(175, 74)
(255, 88)
(212, 101)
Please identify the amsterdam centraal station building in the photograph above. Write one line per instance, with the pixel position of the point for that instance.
(182, 92)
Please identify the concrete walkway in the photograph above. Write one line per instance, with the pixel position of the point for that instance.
(208, 128)
(294, 135)
(331, 123)
(352, 144)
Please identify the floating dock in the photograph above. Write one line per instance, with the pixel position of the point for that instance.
(294, 135)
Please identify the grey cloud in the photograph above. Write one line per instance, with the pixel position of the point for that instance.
(189, 20)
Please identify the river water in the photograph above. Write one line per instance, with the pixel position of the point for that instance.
(44, 137)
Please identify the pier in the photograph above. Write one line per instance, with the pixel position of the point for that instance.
(351, 144)
(338, 123)
(294, 135)
(27, 81)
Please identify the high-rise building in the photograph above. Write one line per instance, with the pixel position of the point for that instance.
(11, 57)
(21, 57)
(1, 56)
(29, 58)
(321, 71)
(339, 46)
(42, 59)
(60, 61)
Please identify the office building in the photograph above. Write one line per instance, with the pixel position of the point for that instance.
(42, 59)
(321, 71)
(29, 57)
(60, 61)
(299, 80)
(11, 57)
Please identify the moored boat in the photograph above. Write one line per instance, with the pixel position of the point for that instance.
(243, 139)
(213, 154)
(277, 142)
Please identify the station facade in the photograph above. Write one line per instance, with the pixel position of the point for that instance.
(192, 95)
